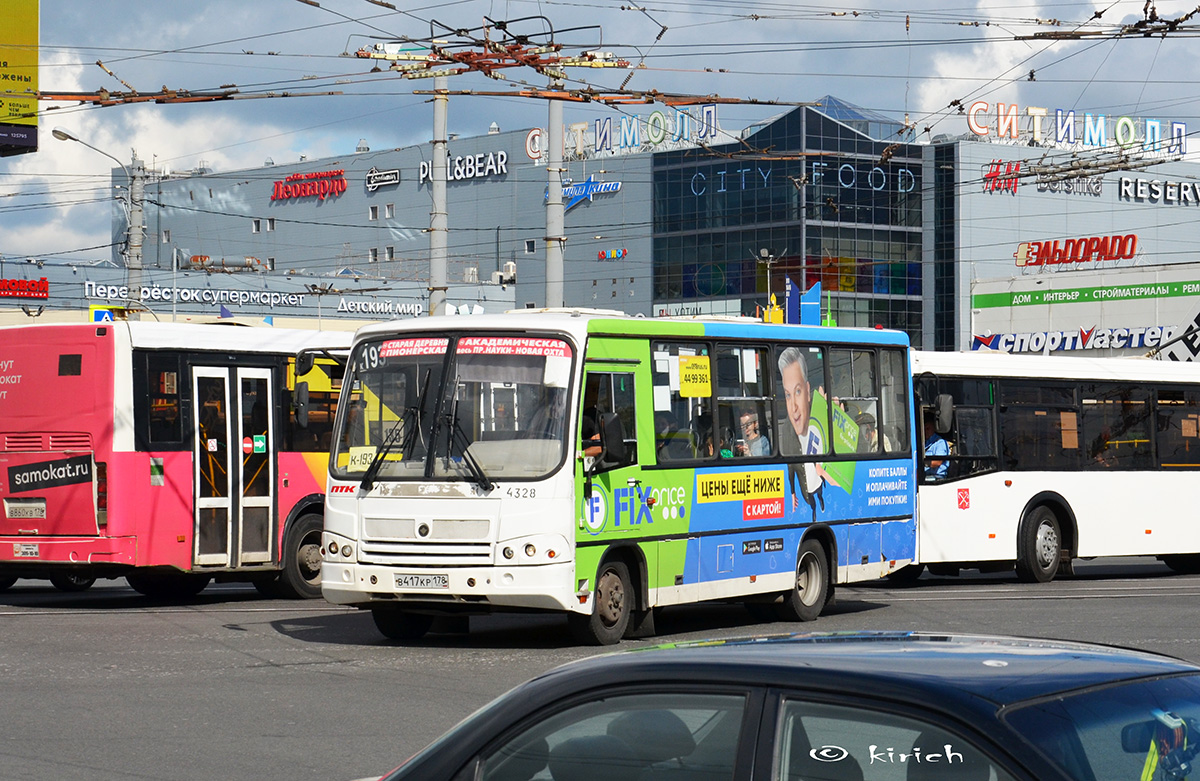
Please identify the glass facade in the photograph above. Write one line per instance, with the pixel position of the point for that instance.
(827, 202)
(945, 247)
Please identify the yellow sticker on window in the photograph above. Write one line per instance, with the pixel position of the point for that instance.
(360, 459)
(695, 376)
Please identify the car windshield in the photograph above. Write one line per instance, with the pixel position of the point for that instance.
(1148, 729)
(479, 408)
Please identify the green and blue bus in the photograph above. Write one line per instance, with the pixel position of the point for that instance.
(605, 466)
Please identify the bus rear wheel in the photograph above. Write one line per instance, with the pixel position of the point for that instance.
(71, 582)
(808, 597)
(167, 585)
(301, 576)
(611, 606)
(906, 576)
(1183, 563)
(398, 625)
(1039, 546)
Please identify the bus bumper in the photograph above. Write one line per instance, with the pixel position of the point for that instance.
(468, 589)
(68, 550)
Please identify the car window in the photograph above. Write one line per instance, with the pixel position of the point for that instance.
(818, 742)
(639, 736)
(1133, 730)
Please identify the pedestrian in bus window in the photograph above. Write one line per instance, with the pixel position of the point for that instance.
(806, 479)
(936, 451)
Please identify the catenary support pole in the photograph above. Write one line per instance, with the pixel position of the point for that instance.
(554, 206)
(438, 226)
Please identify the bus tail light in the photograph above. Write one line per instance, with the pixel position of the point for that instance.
(101, 493)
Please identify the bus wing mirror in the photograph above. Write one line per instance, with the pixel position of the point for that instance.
(943, 413)
(301, 402)
(305, 361)
(612, 438)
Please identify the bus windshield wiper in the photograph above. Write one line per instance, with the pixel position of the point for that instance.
(385, 447)
(412, 418)
(457, 435)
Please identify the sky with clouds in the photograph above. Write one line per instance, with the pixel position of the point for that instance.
(907, 63)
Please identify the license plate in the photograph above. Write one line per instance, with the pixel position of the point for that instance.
(25, 550)
(24, 509)
(422, 581)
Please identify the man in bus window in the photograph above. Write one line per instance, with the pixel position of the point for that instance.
(936, 451)
(868, 435)
(809, 477)
(756, 444)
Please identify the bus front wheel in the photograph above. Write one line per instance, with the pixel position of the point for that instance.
(808, 597)
(301, 576)
(398, 625)
(611, 604)
(167, 585)
(1039, 546)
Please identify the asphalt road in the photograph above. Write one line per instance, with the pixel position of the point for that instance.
(108, 686)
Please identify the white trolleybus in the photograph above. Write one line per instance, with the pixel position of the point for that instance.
(604, 465)
(1047, 459)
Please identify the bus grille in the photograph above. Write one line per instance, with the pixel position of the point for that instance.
(32, 443)
(425, 553)
(70, 441)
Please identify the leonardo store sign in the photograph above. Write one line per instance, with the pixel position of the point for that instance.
(320, 185)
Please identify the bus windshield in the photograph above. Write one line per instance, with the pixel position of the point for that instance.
(478, 408)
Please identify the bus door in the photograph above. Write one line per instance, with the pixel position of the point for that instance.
(609, 482)
(234, 453)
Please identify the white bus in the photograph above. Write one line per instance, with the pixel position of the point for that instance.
(1056, 458)
(603, 466)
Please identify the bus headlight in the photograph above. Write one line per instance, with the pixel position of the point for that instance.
(534, 549)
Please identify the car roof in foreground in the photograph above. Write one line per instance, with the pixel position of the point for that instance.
(916, 665)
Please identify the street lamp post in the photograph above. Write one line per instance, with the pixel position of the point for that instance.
(133, 243)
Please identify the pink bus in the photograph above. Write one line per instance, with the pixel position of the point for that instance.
(168, 454)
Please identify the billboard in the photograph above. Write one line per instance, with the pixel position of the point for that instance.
(18, 77)
(1130, 311)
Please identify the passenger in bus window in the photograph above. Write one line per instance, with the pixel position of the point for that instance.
(755, 443)
(808, 479)
(936, 451)
(868, 435)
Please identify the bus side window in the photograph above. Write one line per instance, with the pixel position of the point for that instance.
(164, 418)
(682, 410)
(744, 422)
(606, 394)
(892, 420)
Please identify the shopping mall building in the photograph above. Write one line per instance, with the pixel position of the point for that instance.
(956, 241)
